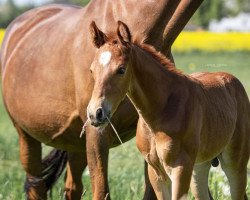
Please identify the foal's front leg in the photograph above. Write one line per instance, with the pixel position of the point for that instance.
(161, 186)
(181, 176)
(178, 164)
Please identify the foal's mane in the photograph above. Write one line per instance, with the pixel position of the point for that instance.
(157, 55)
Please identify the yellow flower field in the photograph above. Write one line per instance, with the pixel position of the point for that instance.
(1, 35)
(206, 41)
(212, 42)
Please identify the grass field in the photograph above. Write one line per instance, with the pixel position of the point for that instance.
(125, 168)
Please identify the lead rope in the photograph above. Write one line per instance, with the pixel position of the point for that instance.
(116, 134)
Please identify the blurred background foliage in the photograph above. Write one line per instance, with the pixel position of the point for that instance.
(218, 9)
(9, 10)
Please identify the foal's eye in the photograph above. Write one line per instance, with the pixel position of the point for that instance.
(91, 71)
(121, 70)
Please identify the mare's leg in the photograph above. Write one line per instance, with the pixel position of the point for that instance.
(199, 181)
(162, 188)
(97, 155)
(31, 157)
(76, 164)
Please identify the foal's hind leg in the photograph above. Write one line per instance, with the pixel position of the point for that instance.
(77, 162)
(31, 155)
(235, 169)
(235, 158)
(199, 182)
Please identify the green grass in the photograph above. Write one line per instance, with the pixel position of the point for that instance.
(125, 168)
(236, 63)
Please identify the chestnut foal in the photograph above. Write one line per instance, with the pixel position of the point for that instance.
(184, 120)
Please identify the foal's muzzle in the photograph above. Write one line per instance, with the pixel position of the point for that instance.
(98, 117)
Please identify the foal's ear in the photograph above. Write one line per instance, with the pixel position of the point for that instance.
(123, 33)
(97, 36)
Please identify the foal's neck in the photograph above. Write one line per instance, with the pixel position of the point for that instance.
(153, 85)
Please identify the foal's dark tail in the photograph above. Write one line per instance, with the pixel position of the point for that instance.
(52, 167)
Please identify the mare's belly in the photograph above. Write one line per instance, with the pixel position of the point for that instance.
(41, 114)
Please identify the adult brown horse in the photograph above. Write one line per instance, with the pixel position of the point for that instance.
(184, 121)
(46, 84)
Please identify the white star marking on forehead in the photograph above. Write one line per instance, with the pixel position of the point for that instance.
(105, 58)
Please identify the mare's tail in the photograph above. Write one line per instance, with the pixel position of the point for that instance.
(52, 167)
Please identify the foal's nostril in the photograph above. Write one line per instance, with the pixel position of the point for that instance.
(91, 116)
(99, 114)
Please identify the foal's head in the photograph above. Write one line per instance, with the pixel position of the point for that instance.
(111, 72)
